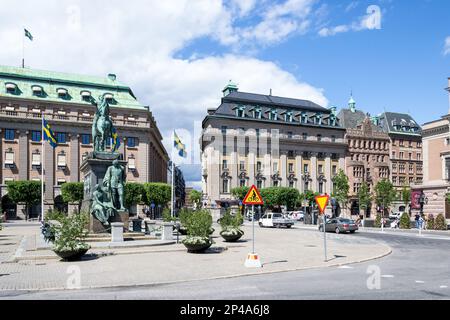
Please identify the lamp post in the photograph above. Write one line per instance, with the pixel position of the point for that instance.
(306, 178)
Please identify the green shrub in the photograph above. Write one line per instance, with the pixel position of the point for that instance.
(184, 215)
(199, 223)
(430, 222)
(53, 215)
(167, 215)
(377, 223)
(405, 221)
(440, 223)
(70, 232)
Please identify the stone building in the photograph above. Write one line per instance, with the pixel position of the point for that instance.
(367, 159)
(436, 167)
(405, 151)
(268, 141)
(64, 100)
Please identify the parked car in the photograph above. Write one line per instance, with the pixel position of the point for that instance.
(339, 225)
(395, 215)
(275, 220)
(297, 215)
(257, 216)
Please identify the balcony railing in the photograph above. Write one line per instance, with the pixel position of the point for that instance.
(70, 118)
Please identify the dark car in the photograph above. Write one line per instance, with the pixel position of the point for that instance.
(339, 225)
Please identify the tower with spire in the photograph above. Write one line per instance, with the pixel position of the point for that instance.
(352, 103)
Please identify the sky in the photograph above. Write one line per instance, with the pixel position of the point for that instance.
(177, 55)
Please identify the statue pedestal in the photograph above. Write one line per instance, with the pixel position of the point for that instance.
(93, 170)
(96, 226)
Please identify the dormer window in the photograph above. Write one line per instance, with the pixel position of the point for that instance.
(318, 119)
(109, 97)
(11, 88)
(85, 95)
(240, 112)
(288, 116)
(257, 114)
(273, 115)
(62, 93)
(304, 117)
(38, 91)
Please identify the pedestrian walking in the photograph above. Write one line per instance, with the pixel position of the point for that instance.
(417, 220)
(421, 222)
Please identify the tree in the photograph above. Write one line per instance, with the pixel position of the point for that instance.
(73, 192)
(26, 192)
(269, 196)
(440, 223)
(406, 196)
(158, 193)
(240, 192)
(196, 197)
(341, 188)
(385, 194)
(364, 196)
(134, 194)
(288, 197)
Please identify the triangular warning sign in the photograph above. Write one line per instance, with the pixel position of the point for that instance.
(322, 202)
(253, 197)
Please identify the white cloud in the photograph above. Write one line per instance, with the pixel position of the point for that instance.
(370, 21)
(138, 40)
(447, 46)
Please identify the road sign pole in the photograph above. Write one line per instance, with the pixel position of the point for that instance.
(253, 222)
(325, 235)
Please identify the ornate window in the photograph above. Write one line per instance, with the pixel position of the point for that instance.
(9, 158)
(61, 160)
(131, 163)
(36, 159)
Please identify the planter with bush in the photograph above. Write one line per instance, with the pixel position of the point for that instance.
(198, 225)
(67, 235)
(430, 222)
(230, 225)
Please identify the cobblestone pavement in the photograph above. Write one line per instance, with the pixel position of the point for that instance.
(280, 250)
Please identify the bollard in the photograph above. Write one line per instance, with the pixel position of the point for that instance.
(167, 233)
(117, 232)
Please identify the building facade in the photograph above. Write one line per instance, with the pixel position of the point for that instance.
(65, 101)
(436, 167)
(367, 159)
(268, 141)
(406, 163)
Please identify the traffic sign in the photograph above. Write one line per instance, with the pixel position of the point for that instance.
(322, 202)
(253, 197)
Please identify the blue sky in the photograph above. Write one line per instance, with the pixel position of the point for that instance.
(178, 55)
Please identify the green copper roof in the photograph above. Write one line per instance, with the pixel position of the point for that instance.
(50, 82)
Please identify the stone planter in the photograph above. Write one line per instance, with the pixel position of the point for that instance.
(71, 255)
(197, 247)
(232, 237)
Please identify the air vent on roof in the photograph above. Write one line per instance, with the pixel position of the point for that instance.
(61, 91)
(36, 89)
(108, 96)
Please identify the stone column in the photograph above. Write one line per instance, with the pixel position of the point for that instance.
(74, 157)
(298, 172)
(234, 165)
(283, 169)
(24, 166)
(328, 174)
(251, 168)
(314, 172)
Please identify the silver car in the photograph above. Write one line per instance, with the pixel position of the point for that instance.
(339, 225)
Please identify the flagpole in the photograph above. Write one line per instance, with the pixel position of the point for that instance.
(42, 165)
(23, 49)
(173, 175)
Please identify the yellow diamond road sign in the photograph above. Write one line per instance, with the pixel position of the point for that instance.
(322, 202)
(253, 197)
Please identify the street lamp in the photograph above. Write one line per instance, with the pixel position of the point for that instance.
(422, 200)
(306, 178)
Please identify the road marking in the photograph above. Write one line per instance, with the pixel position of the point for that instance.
(420, 281)
(345, 267)
(387, 276)
(443, 287)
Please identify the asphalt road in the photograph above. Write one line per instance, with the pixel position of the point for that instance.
(418, 268)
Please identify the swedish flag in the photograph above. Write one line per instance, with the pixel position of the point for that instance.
(48, 134)
(116, 140)
(179, 145)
